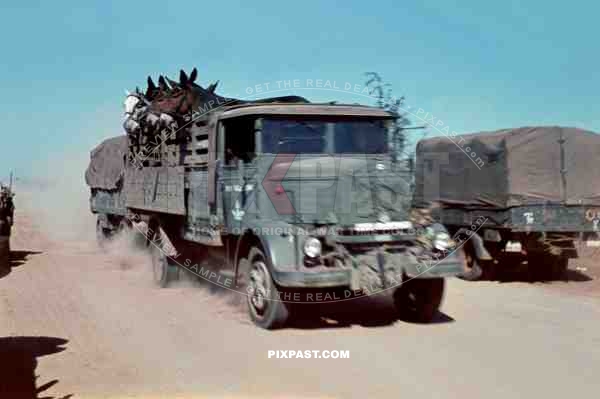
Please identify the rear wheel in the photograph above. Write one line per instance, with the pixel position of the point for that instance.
(558, 266)
(160, 267)
(419, 299)
(102, 234)
(477, 269)
(4, 251)
(474, 271)
(164, 269)
(545, 266)
(265, 307)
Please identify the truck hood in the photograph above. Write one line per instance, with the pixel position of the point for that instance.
(340, 190)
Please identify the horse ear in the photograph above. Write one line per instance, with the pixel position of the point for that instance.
(162, 84)
(213, 87)
(183, 78)
(193, 75)
(151, 88)
(151, 84)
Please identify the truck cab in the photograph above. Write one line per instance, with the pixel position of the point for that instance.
(308, 197)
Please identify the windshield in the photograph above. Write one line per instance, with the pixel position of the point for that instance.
(300, 136)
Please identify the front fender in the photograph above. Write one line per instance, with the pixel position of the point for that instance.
(280, 243)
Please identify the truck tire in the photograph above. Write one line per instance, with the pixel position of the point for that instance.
(419, 299)
(265, 308)
(163, 269)
(474, 271)
(102, 235)
(545, 267)
(4, 252)
(559, 265)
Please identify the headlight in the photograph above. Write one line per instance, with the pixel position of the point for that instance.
(312, 247)
(442, 241)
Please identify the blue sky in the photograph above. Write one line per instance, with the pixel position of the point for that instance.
(474, 65)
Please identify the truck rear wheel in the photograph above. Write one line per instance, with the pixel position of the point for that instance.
(559, 265)
(419, 299)
(4, 251)
(163, 268)
(474, 271)
(160, 268)
(265, 307)
(546, 266)
(102, 234)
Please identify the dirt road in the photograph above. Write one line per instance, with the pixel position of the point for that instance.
(76, 321)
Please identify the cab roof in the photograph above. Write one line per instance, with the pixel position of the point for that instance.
(311, 109)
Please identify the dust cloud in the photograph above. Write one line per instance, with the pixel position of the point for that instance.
(57, 201)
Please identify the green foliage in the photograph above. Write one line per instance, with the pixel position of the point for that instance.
(384, 99)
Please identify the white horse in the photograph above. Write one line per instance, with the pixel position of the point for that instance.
(140, 121)
(131, 102)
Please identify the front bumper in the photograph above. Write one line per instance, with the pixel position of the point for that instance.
(317, 279)
(450, 266)
(371, 273)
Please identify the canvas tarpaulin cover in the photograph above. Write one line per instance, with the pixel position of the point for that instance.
(510, 167)
(107, 164)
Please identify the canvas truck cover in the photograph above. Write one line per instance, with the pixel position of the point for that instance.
(510, 167)
(107, 164)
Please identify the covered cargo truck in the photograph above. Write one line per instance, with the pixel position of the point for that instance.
(536, 188)
(105, 177)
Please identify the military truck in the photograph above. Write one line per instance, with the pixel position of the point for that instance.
(288, 203)
(6, 221)
(531, 193)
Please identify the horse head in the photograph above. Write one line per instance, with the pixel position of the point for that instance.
(199, 97)
(131, 102)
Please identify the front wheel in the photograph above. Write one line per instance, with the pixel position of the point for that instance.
(419, 299)
(265, 307)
